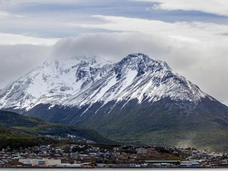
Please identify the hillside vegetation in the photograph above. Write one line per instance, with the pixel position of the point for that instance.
(14, 139)
(34, 126)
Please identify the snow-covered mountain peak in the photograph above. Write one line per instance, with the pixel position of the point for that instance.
(135, 59)
(86, 80)
(139, 60)
(54, 80)
(93, 61)
(140, 63)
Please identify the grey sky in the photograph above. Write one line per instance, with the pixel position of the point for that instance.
(191, 36)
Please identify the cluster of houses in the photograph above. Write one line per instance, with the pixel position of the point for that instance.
(95, 155)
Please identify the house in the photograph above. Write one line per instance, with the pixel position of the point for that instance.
(141, 150)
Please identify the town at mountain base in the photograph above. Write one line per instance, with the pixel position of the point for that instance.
(137, 100)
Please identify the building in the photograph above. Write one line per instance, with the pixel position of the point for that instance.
(141, 150)
(189, 164)
(163, 162)
(41, 162)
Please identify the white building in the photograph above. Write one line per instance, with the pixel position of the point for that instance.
(141, 150)
(41, 162)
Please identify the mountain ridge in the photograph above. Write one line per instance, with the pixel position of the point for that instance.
(66, 80)
(137, 99)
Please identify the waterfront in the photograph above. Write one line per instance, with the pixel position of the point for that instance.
(125, 169)
(110, 156)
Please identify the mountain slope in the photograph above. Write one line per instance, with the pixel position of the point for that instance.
(137, 100)
(15, 140)
(82, 81)
(165, 122)
(53, 82)
(35, 126)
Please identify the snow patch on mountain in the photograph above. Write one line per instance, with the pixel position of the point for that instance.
(225, 103)
(86, 80)
(53, 82)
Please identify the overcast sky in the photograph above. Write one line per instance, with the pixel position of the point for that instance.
(190, 35)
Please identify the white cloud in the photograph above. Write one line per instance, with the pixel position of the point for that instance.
(17, 60)
(112, 46)
(43, 24)
(14, 39)
(13, 3)
(5, 15)
(218, 7)
(196, 50)
(188, 31)
(204, 63)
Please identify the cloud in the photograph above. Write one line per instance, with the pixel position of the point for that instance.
(196, 50)
(12, 4)
(15, 39)
(203, 63)
(35, 2)
(113, 46)
(5, 15)
(17, 60)
(188, 31)
(43, 24)
(218, 7)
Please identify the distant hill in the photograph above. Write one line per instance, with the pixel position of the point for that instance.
(35, 126)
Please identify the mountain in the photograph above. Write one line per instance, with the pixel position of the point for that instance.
(88, 80)
(137, 100)
(32, 127)
(225, 103)
(53, 82)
